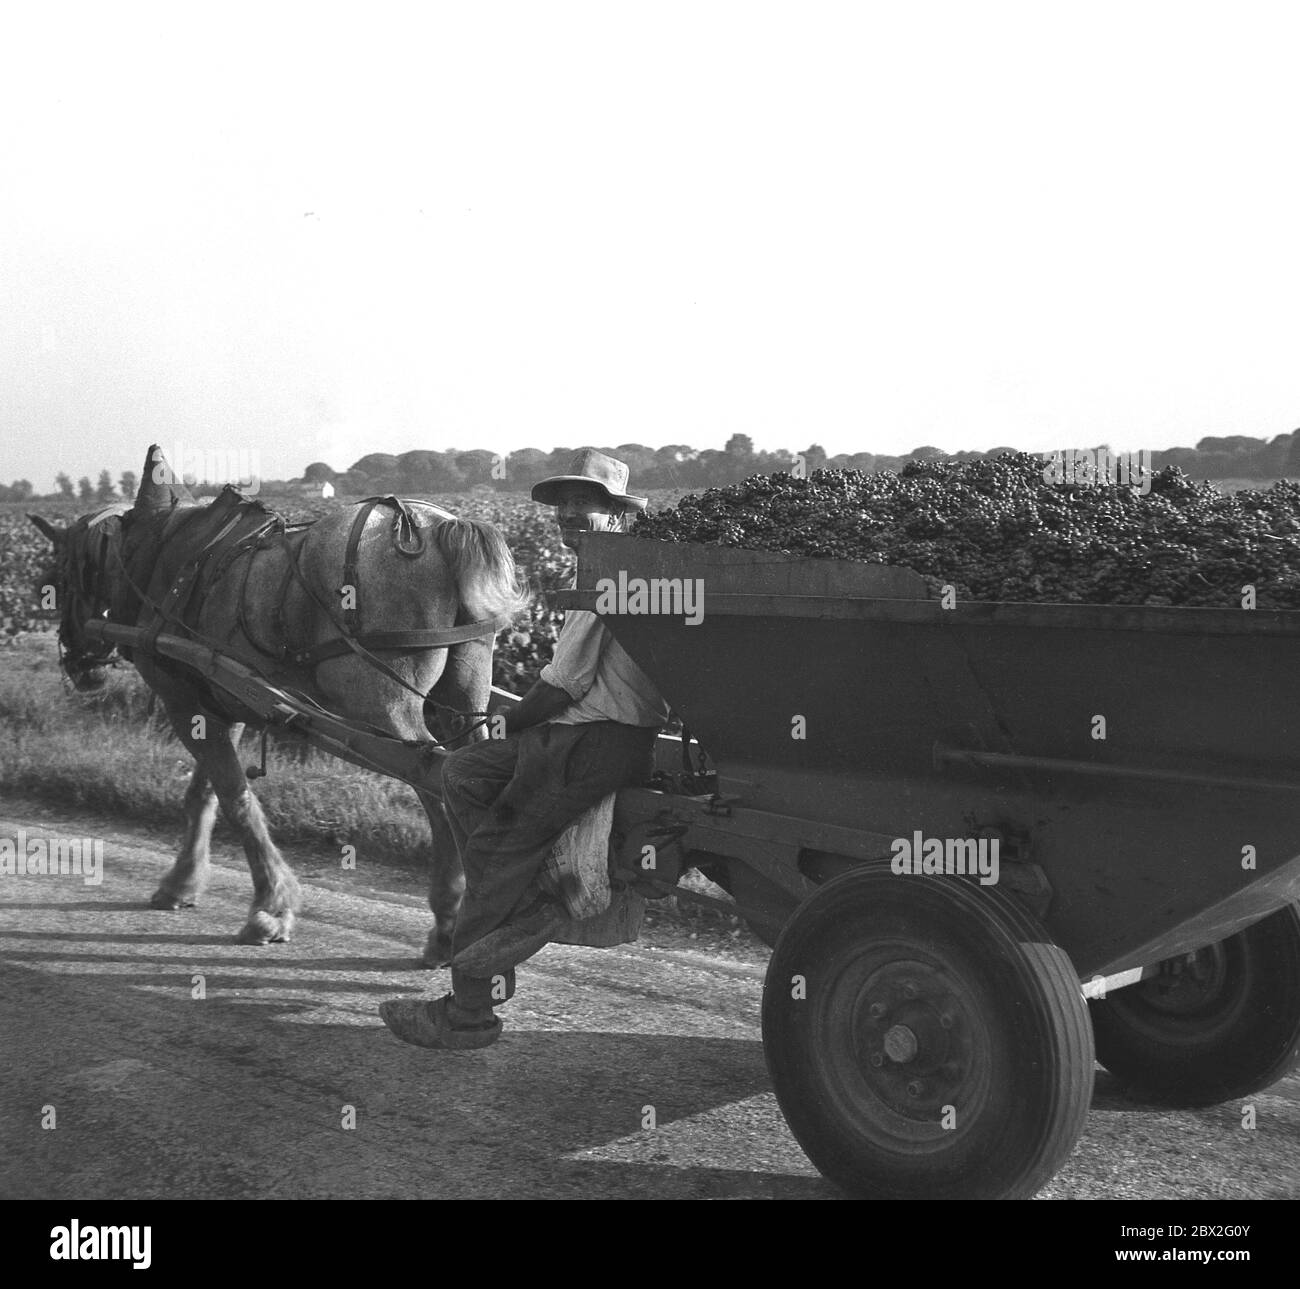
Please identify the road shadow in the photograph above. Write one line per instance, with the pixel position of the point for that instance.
(94, 906)
(121, 937)
(1112, 1094)
(269, 957)
(562, 1114)
(554, 1112)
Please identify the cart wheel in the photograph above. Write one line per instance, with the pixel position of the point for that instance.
(1219, 1023)
(926, 1039)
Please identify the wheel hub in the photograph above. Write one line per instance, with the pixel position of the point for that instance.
(915, 1038)
(900, 1044)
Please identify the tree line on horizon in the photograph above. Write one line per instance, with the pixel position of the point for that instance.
(682, 466)
(674, 466)
(100, 493)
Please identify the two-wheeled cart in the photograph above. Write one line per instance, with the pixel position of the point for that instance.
(931, 1032)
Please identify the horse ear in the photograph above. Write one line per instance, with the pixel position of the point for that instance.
(160, 487)
(52, 531)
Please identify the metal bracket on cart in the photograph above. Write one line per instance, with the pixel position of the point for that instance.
(1017, 871)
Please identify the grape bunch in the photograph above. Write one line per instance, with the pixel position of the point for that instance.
(996, 530)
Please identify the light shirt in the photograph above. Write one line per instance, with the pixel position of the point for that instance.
(598, 674)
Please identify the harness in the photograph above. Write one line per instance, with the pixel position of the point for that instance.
(91, 550)
(408, 541)
(234, 528)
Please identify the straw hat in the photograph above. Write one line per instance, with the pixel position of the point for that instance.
(589, 466)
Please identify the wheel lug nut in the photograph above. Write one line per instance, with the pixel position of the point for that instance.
(877, 1060)
(876, 1011)
(914, 1089)
(945, 1022)
(910, 990)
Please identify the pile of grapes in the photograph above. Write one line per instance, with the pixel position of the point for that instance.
(995, 530)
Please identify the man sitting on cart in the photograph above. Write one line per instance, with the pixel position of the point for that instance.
(584, 730)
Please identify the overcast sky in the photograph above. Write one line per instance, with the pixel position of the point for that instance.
(324, 230)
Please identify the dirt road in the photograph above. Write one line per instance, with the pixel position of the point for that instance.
(173, 1062)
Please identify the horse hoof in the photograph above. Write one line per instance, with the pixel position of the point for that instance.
(165, 899)
(266, 928)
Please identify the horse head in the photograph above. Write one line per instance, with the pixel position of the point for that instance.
(82, 574)
(88, 561)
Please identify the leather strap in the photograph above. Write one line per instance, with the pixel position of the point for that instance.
(352, 612)
(402, 641)
(407, 537)
(408, 540)
(283, 646)
(174, 603)
(352, 643)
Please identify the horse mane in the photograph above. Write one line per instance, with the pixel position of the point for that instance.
(487, 579)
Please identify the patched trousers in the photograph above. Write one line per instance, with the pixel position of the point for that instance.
(508, 800)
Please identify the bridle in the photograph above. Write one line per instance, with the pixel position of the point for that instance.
(84, 589)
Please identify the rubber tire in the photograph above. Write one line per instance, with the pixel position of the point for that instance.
(1022, 1089)
(1244, 1038)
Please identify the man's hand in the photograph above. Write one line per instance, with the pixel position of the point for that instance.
(539, 704)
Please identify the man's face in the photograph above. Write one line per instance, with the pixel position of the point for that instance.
(584, 508)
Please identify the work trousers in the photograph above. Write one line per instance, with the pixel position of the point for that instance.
(509, 799)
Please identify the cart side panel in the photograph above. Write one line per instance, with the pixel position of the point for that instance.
(839, 718)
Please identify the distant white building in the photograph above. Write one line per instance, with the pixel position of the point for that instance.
(327, 489)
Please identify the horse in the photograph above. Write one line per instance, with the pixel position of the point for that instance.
(311, 608)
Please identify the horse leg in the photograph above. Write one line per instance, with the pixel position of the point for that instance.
(276, 895)
(186, 878)
(446, 884)
(464, 686)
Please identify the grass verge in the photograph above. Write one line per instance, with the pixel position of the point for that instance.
(106, 751)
